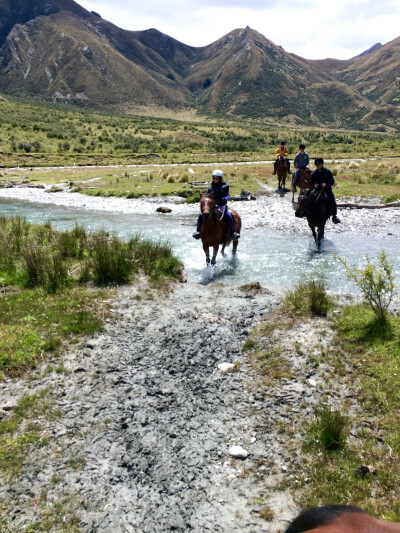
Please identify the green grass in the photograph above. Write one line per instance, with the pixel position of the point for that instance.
(17, 435)
(371, 348)
(50, 135)
(308, 298)
(34, 324)
(45, 301)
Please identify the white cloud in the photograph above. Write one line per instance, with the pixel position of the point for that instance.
(312, 29)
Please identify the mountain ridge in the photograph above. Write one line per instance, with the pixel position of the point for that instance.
(57, 50)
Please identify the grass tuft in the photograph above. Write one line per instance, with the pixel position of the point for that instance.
(309, 298)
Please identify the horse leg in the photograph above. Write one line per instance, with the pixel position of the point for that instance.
(313, 232)
(234, 247)
(214, 255)
(207, 252)
(223, 250)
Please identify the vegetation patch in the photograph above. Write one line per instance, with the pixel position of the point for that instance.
(309, 298)
(19, 432)
(45, 299)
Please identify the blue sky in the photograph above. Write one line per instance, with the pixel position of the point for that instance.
(313, 29)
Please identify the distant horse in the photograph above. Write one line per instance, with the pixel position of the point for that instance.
(316, 208)
(282, 171)
(339, 519)
(303, 182)
(215, 231)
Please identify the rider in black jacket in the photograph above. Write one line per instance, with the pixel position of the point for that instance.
(221, 197)
(322, 180)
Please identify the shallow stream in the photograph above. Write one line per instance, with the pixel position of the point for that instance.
(275, 248)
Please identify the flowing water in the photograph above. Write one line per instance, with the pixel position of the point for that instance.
(277, 257)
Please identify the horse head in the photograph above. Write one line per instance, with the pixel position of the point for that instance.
(302, 204)
(207, 204)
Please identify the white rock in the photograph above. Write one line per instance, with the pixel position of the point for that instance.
(253, 440)
(238, 452)
(312, 382)
(284, 469)
(225, 367)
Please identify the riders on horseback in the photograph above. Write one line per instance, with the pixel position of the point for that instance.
(322, 180)
(220, 190)
(300, 162)
(282, 151)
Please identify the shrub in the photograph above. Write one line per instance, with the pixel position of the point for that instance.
(330, 429)
(109, 261)
(309, 297)
(43, 268)
(376, 283)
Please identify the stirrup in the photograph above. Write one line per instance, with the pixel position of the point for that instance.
(196, 235)
(235, 236)
(336, 220)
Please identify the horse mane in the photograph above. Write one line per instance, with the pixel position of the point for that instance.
(320, 516)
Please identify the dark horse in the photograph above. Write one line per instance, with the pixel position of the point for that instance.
(282, 171)
(339, 519)
(304, 181)
(215, 230)
(315, 207)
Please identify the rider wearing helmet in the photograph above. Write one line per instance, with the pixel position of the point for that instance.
(220, 190)
(322, 180)
(282, 150)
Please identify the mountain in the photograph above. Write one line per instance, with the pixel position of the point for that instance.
(58, 51)
(366, 52)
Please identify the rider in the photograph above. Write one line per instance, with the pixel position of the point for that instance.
(282, 150)
(221, 197)
(322, 179)
(300, 162)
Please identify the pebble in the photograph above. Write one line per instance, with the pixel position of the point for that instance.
(225, 367)
(238, 452)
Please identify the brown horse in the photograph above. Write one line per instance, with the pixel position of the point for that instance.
(282, 171)
(315, 207)
(215, 230)
(304, 181)
(339, 519)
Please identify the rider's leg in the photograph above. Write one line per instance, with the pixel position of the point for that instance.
(332, 201)
(196, 234)
(231, 223)
(296, 177)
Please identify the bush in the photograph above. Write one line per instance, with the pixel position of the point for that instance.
(109, 261)
(43, 268)
(309, 297)
(376, 283)
(330, 429)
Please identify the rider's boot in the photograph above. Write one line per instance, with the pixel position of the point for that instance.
(335, 219)
(196, 235)
(235, 236)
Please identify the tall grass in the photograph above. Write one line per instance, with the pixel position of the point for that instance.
(38, 256)
(308, 298)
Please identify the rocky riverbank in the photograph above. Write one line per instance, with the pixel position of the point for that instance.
(147, 421)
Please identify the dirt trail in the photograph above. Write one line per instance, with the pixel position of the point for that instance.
(148, 420)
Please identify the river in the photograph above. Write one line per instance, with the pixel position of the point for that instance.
(275, 248)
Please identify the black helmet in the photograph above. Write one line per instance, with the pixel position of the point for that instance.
(318, 161)
(302, 146)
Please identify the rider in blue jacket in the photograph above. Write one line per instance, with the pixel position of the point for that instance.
(221, 197)
(322, 180)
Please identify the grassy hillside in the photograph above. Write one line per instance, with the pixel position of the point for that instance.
(54, 135)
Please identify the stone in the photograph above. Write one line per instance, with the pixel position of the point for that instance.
(238, 452)
(312, 382)
(163, 210)
(225, 367)
(362, 471)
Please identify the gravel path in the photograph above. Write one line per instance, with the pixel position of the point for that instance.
(148, 420)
